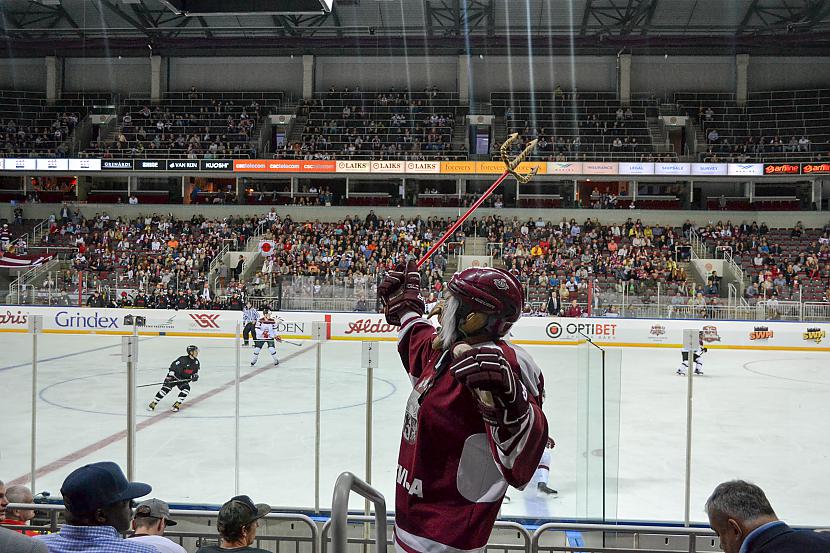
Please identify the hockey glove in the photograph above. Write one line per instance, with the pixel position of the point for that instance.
(485, 369)
(400, 292)
(194, 377)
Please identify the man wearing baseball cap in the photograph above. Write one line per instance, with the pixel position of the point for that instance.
(149, 521)
(97, 498)
(237, 525)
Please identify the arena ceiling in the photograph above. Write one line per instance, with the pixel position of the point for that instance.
(374, 27)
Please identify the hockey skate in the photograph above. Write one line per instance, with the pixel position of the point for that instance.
(176, 407)
(681, 372)
(152, 405)
(698, 371)
(276, 362)
(542, 487)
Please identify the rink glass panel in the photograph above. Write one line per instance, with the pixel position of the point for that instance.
(81, 415)
(598, 432)
(277, 412)
(187, 456)
(764, 417)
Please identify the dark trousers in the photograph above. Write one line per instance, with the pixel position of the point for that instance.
(248, 332)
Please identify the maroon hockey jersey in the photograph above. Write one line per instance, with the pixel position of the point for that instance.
(453, 468)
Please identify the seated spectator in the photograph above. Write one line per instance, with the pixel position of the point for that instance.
(713, 136)
(742, 517)
(97, 498)
(237, 526)
(149, 521)
(18, 517)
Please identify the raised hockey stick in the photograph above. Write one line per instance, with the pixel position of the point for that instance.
(165, 382)
(510, 169)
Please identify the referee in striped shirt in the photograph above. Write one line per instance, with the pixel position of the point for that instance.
(249, 316)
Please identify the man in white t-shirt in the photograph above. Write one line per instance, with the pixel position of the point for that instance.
(150, 519)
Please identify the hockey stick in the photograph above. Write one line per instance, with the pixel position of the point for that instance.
(290, 342)
(165, 382)
(510, 169)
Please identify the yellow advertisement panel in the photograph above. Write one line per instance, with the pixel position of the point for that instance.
(458, 167)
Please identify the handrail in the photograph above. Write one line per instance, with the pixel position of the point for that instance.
(691, 533)
(346, 483)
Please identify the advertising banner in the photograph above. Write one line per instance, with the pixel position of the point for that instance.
(815, 168)
(117, 164)
(216, 165)
(250, 165)
(781, 169)
(150, 165)
(386, 167)
(709, 169)
(319, 166)
(84, 164)
(352, 167)
(662, 168)
(459, 167)
(745, 169)
(600, 168)
(627, 168)
(52, 164)
(11, 164)
(562, 168)
(182, 164)
(423, 167)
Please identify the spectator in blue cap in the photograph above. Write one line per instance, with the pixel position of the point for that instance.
(98, 499)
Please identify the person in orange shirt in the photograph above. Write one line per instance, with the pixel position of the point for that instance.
(19, 517)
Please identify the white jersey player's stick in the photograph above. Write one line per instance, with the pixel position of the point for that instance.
(292, 343)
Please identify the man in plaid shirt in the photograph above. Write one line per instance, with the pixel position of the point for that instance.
(97, 499)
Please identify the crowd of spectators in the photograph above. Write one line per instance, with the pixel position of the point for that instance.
(220, 130)
(100, 518)
(351, 124)
(17, 137)
(782, 264)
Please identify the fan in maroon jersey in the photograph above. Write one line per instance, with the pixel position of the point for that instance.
(473, 423)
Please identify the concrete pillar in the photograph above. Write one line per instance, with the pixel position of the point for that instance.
(309, 69)
(463, 79)
(53, 79)
(624, 78)
(155, 78)
(741, 78)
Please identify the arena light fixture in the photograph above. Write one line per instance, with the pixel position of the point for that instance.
(204, 8)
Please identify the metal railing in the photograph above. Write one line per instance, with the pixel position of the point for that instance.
(347, 483)
(599, 538)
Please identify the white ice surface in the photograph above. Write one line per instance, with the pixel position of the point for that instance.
(760, 416)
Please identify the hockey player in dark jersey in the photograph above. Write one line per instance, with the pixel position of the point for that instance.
(474, 423)
(182, 372)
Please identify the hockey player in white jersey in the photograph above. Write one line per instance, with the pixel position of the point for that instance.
(696, 358)
(265, 334)
(540, 477)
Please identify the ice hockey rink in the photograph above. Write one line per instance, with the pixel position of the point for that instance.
(760, 416)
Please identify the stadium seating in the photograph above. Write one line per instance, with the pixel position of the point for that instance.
(195, 125)
(771, 126)
(576, 127)
(378, 125)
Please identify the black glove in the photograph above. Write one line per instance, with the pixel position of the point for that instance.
(485, 369)
(194, 377)
(400, 292)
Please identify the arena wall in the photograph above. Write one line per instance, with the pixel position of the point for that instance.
(658, 75)
(774, 219)
(536, 331)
